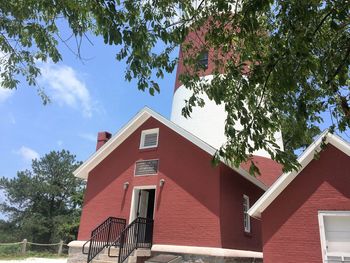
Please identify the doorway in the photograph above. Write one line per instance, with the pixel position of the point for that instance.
(143, 205)
(143, 202)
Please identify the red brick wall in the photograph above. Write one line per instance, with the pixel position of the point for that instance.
(269, 169)
(233, 187)
(196, 39)
(189, 208)
(290, 223)
(198, 43)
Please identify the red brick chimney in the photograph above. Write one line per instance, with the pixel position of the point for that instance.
(102, 138)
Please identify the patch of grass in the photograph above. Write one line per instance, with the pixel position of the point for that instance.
(10, 250)
(14, 252)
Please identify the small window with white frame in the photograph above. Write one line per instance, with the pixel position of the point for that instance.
(246, 217)
(149, 138)
(335, 236)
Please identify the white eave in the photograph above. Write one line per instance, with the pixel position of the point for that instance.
(132, 125)
(284, 180)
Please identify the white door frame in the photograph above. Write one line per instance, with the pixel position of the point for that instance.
(134, 199)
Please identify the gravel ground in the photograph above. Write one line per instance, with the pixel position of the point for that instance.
(36, 260)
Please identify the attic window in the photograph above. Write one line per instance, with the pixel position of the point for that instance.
(146, 167)
(203, 60)
(149, 138)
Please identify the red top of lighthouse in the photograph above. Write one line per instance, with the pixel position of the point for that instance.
(197, 40)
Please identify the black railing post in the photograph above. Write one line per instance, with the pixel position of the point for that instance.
(130, 237)
(121, 245)
(137, 231)
(89, 253)
(152, 233)
(101, 236)
(109, 231)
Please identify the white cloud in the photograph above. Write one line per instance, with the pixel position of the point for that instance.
(88, 136)
(27, 153)
(59, 143)
(65, 87)
(5, 94)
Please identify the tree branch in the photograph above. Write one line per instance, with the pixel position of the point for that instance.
(340, 66)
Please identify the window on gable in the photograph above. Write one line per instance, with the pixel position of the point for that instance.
(335, 236)
(246, 217)
(149, 138)
(203, 59)
(146, 167)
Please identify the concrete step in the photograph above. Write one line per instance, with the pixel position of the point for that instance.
(165, 258)
(114, 260)
(106, 257)
(142, 252)
(114, 251)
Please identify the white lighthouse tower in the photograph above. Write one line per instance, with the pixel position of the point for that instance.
(208, 122)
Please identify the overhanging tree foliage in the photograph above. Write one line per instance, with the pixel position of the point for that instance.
(284, 62)
(44, 204)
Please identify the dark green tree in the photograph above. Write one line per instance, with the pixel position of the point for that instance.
(9, 232)
(285, 62)
(44, 203)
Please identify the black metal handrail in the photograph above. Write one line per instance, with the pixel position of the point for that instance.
(103, 236)
(138, 234)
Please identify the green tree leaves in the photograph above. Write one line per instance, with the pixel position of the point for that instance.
(44, 203)
(285, 63)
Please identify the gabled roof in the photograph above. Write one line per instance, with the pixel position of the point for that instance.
(284, 180)
(269, 169)
(132, 125)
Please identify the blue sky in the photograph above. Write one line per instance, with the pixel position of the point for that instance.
(86, 97)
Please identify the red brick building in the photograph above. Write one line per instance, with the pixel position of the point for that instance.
(305, 215)
(162, 170)
(197, 208)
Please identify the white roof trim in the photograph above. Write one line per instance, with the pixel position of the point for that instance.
(131, 126)
(284, 180)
